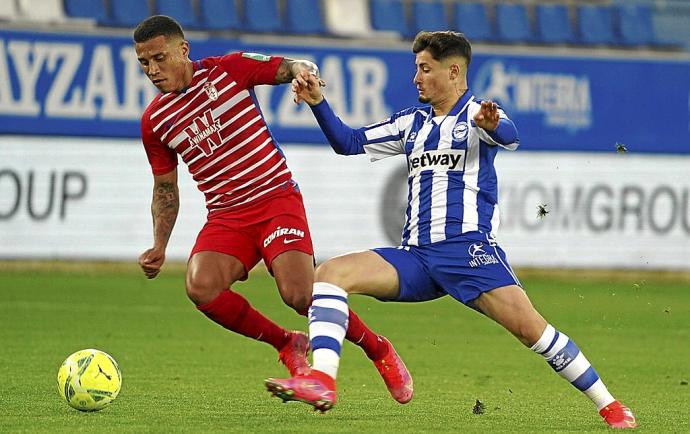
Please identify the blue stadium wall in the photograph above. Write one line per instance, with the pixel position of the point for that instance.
(72, 170)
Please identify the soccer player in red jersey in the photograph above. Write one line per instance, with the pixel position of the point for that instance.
(207, 114)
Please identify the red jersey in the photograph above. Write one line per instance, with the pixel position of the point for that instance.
(216, 127)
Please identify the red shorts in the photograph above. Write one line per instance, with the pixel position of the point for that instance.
(263, 230)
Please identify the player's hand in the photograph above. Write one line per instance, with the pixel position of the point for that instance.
(487, 117)
(151, 261)
(307, 88)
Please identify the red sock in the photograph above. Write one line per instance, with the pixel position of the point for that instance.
(359, 334)
(234, 312)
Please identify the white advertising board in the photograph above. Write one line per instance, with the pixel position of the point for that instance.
(75, 198)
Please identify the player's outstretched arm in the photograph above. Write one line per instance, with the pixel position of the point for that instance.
(343, 139)
(165, 205)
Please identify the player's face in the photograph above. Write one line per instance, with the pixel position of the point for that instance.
(432, 78)
(164, 61)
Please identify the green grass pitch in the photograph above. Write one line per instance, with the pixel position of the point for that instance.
(182, 373)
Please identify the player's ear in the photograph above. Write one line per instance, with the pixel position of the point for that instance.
(453, 71)
(185, 48)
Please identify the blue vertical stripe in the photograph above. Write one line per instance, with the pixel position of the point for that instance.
(456, 186)
(408, 213)
(454, 208)
(487, 184)
(425, 180)
(417, 125)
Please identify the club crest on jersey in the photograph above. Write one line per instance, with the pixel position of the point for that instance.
(460, 131)
(204, 133)
(412, 136)
(211, 91)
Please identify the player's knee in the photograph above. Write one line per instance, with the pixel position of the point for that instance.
(201, 289)
(332, 272)
(298, 301)
(527, 332)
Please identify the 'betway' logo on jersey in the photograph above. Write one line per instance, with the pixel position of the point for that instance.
(564, 99)
(204, 133)
(291, 235)
(443, 160)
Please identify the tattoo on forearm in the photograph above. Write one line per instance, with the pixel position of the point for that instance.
(284, 74)
(164, 208)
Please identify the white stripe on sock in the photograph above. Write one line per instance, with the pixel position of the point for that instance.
(599, 394)
(328, 361)
(545, 339)
(576, 368)
(331, 304)
(561, 342)
(320, 328)
(324, 288)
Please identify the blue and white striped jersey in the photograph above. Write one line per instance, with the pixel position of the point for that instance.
(452, 184)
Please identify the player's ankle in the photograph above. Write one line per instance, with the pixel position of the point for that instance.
(381, 350)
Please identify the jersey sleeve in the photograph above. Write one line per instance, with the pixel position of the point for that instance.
(386, 138)
(379, 140)
(248, 69)
(161, 158)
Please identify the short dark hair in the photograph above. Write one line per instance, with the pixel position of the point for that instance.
(157, 25)
(443, 44)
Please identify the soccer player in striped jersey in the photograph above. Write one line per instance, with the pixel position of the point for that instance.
(448, 245)
(207, 114)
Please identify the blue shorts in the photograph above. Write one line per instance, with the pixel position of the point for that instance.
(463, 267)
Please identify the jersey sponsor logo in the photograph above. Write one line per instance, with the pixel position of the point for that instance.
(211, 91)
(460, 131)
(204, 133)
(479, 256)
(257, 56)
(443, 160)
(291, 235)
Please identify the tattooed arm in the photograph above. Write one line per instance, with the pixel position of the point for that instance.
(164, 207)
(290, 69)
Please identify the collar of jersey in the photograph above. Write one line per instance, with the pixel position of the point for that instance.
(459, 106)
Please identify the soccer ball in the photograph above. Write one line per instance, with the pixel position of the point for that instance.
(89, 380)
